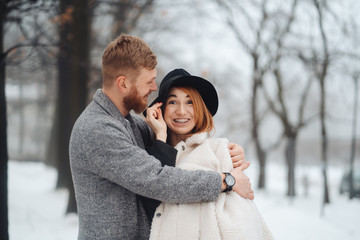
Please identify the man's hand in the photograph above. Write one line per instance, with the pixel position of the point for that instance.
(237, 154)
(242, 185)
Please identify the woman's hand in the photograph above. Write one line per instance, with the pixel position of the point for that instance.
(155, 120)
(237, 154)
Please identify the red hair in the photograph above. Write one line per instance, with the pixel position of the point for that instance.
(126, 54)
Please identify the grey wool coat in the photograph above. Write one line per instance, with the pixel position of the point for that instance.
(111, 168)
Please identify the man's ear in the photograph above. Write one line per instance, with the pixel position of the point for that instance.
(122, 84)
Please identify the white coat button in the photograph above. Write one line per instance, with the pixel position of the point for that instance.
(183, 147)
(158, 214)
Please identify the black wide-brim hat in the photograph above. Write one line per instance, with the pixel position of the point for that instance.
(180, 77)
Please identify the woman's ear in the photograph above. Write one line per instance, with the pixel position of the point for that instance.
(122, 83)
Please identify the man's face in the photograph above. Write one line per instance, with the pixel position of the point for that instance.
(140, 88)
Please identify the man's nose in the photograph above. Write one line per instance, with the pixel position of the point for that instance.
(154, 86)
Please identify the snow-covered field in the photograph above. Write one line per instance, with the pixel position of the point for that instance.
(37, 210)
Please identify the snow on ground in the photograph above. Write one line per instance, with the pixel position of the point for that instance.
(37, 210)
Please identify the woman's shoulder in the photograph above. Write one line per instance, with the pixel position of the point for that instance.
(218, 142)
(204, 138)
(193, 141)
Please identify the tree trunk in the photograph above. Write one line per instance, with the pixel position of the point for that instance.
(73, 76)
(51, 158)
(322, 77)
(21, 121)
(63, 101)
(353, 140)
(324, 143)
(290, 156)
(4, 224)
(261, 154)
(80, 73)
(262, 165)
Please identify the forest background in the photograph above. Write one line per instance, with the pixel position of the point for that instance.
(287, 74)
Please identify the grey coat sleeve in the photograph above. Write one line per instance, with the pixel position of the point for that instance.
(112, 155)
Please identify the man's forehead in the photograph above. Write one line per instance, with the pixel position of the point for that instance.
(150, 72)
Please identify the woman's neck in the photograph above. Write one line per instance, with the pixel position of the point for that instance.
(176, 138)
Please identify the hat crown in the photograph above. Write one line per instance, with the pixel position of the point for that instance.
(174, 74)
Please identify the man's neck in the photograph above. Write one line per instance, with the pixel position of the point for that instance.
(117, 100)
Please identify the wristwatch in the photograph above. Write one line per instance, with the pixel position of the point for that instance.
(229, 181)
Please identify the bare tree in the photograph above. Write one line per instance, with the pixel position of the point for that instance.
(356, 76)
(257, 48)
(123, 17)
(126, 14)
(321, 75)
(278, 106)
(320, 58)
(73, 77)
(9, 14)
(257, 73)
(26, 67)
(271, 51)
(4, 233)
(354, 58)
(290, 129)
(282, 56)
(319, 62)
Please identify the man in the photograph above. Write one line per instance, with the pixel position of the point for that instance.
(109, 165)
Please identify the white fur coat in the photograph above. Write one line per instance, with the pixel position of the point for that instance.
(231, 217)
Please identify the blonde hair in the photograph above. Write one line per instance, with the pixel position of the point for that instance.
(126, 55)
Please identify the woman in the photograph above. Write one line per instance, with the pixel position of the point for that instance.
(182, 116)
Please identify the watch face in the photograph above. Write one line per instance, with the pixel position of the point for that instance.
(230, 180)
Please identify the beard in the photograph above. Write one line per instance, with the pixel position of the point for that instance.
(134, 101)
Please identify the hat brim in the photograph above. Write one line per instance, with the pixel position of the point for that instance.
(204, 87)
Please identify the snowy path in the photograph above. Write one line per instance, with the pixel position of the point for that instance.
(37, 210)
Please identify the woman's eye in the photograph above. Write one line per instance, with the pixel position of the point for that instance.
(189, 102)
(171, 102)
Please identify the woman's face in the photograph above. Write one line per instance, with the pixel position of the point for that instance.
(179, 112)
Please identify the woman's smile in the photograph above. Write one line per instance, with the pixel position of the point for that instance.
(181, 120)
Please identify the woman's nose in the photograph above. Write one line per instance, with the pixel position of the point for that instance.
(180, 109)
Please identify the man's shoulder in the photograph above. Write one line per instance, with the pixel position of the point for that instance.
(92, 113)
(144, 129)
(96, 119)
(140, 122)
